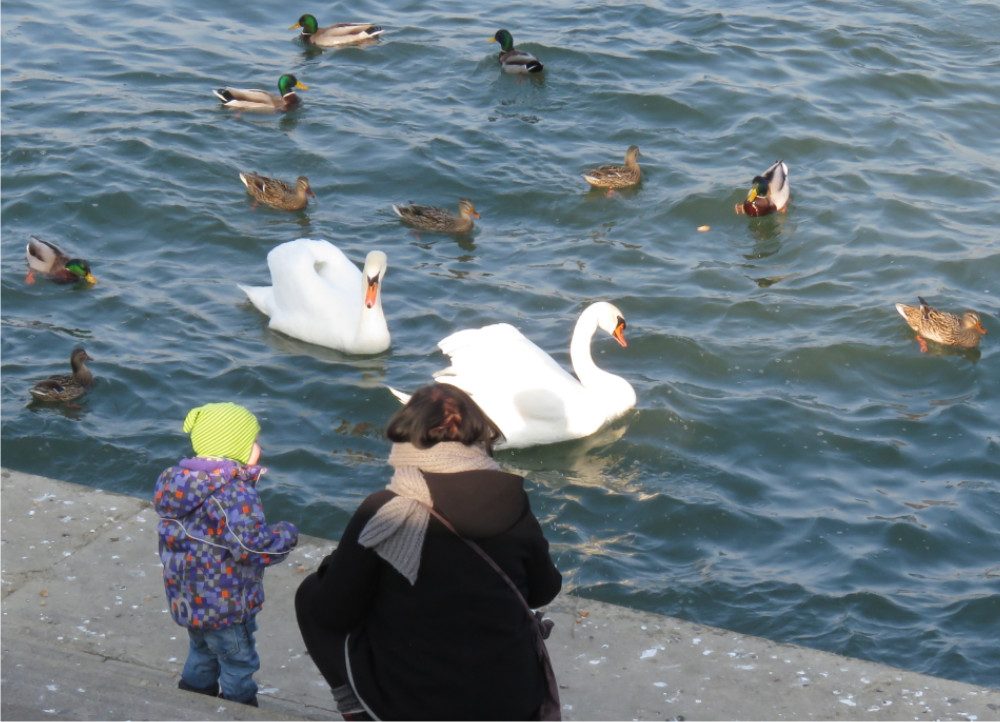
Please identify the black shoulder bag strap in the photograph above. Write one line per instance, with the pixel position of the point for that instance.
(551, 708)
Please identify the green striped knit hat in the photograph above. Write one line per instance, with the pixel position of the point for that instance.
(225, 429)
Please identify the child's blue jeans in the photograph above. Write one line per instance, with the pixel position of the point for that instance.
(227, 656)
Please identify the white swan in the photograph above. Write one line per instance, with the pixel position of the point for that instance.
(527, 394)
(318, 295)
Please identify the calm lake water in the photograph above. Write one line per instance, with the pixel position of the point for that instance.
(795, 467)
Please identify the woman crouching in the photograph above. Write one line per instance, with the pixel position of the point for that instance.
(405, 619)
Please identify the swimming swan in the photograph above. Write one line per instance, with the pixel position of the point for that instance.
(318, 295)
(527, 394)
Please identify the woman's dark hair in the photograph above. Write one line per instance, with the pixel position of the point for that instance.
(442, 412)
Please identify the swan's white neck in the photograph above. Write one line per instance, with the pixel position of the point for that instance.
(372, 333)
(579, 352)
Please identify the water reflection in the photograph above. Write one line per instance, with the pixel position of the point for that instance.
(584, 462)
(766, 232)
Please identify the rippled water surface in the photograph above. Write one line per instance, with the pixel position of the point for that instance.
(795, 467)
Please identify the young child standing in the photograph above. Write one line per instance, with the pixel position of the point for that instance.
(214, 545)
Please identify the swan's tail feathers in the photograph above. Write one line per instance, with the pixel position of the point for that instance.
(403, 397)
(262, 297)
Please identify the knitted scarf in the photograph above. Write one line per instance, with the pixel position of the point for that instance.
(396, 532)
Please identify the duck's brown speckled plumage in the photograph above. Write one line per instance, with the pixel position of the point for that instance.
(66, 387)
(945, 328)
(276, 193)
(439, 220)
(617, 176)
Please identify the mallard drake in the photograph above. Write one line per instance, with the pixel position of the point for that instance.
(617, 176)
(46, 258)
(334, 35)
(66, 388)
(243, 99)
(942, 327)
(437, 219)
(513, 60)
(276, 193)
(768, 193)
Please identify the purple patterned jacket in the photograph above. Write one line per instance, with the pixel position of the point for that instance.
(214, 541)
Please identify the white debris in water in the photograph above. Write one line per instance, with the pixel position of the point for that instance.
(598, 661)
(651, 652)
(267, 690)
(44, 497)
(52, 687)
(848, 700)
(696, 640)
(49, 711)
(746, 667)
(172, 659)
(706, 652)
(659, 684)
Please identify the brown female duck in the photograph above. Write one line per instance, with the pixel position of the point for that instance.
(617, 176)
(947, 329)
(66, 387)
(439, 220)
(277, 193)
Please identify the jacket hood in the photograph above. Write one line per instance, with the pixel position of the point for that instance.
(186, 486)
(479, 503)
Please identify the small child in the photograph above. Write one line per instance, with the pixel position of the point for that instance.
(214, 544)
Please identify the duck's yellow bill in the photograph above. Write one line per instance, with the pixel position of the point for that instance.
(752, 195)
(492, 40)
(296, 26)
(300, 85)
(90, 278)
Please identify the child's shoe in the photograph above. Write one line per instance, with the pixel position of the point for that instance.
(212, 690)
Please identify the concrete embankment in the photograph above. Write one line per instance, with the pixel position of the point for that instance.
(86, 635)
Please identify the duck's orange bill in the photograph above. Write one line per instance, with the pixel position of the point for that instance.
(372, 293)
(619, 333)
(980, 328)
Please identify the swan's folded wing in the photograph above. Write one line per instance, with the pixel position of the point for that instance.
(505, 372)
(262, 297)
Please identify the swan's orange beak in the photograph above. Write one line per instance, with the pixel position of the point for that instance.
(371, 295)
(619, 333)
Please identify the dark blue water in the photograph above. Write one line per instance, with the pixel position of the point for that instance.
(795, 467)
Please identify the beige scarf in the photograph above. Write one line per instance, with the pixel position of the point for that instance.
(396, 532)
